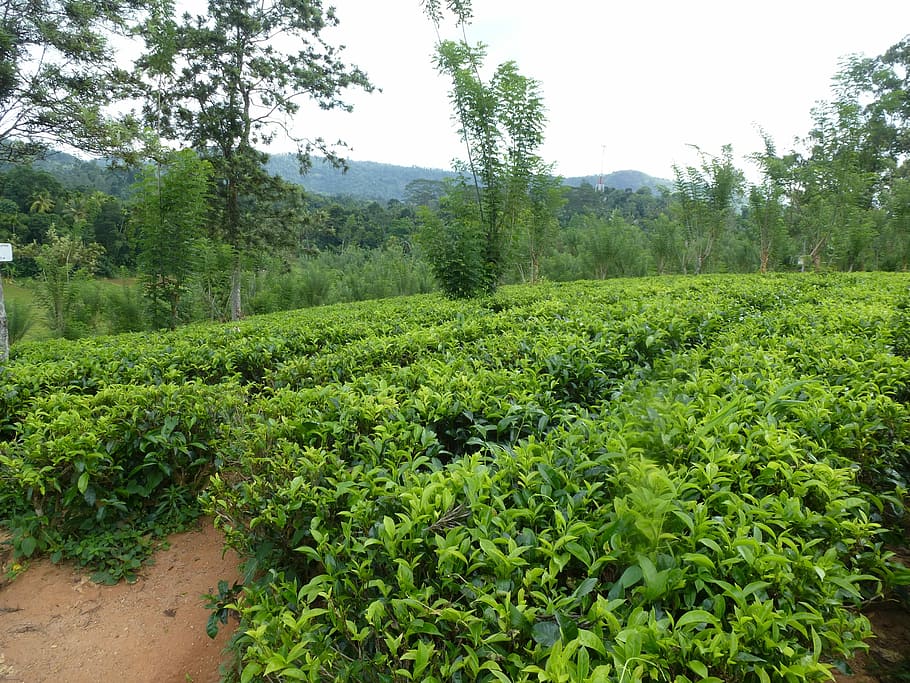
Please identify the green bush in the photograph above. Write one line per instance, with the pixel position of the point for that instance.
(86, 468)
(125, 309)
(456, 249)
(667, 484)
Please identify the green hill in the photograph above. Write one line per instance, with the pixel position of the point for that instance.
(382, 182)
(622, 180)
(369, 180)
(363, 179)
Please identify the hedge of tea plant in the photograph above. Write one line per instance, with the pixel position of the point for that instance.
(686, 479)
(106, 443)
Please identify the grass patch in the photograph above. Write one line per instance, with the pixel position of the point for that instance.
(19, 297)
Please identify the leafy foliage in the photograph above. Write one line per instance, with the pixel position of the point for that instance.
(168, 213)
(677, 488)
(654, 479)
(57, 76)
(501, 123)
(706, 196)
(94, 473)
(64, 261)
(20, 318)
(455, 244)
(221, 83)
(675, 479)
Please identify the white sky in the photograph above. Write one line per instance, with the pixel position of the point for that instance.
(628, 82)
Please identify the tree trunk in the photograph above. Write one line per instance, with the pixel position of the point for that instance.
(175, 306)
(4, 327)
(236, 309)
(816, 255)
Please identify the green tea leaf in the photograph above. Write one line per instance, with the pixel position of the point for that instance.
(696, 616)
(546, 633)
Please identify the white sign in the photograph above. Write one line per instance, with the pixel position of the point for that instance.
(6, 252)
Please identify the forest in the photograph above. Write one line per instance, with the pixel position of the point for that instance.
(193, 221)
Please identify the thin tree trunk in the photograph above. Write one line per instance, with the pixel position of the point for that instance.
(175, 305)
(4, 327)
(816, 255)
(236, 309)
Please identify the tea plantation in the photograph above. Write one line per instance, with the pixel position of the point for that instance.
(669, 479)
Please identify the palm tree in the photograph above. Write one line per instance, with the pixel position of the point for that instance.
(42, 202)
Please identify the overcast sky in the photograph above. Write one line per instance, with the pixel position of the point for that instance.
(626, 85)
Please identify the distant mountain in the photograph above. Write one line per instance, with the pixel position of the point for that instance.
(363, 179)
(368, 180)
(83, 174)
(382, 182)
(622, 180)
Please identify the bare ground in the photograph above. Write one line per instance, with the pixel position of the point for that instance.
(56, 625)
(888, 658)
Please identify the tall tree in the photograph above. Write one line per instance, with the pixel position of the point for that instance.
(896, 245)
(766, 209)
(168, 214)
(611, 247)
(501, 123)
(880, 86)
(540, 226)
(666, 244)
(705, 204)
(878, 127)
(837, 185)
(55, 80)
(225, 83)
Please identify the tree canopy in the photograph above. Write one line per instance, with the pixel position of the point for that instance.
(58, 74)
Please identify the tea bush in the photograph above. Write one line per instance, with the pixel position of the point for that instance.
(125, 461)
(668, 479)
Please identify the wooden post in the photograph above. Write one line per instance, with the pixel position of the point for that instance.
(4, 326)
(6, 255)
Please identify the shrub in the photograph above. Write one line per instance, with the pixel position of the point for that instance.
(128, 457)
(20, 319)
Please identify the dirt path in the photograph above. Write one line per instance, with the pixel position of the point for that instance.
(56, 625)
(888, 658)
